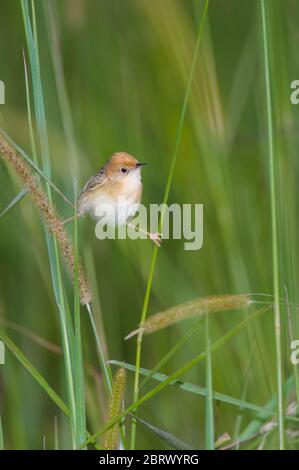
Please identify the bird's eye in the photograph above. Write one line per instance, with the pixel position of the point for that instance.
(124, 170)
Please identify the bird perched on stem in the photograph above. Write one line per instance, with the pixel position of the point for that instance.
(119, 178)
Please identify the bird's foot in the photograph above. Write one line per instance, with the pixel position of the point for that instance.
(156, 238)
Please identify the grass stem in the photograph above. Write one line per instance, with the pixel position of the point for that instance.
(165, 199)
(270, 132)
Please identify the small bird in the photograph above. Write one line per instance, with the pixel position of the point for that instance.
(119, 179)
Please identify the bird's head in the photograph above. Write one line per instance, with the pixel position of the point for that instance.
(122, 166)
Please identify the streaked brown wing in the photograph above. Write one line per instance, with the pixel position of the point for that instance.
(96, 181)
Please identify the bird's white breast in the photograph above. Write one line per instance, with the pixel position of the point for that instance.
(114, 212)
(113, 206)
(116, 208)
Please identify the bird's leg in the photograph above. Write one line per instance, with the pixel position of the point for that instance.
(66, 221)
(155, 237)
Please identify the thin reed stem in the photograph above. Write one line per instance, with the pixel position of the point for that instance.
(182, 370)
(36, 168)
(43, 201)
(209, 408)
(271, 156)
(179, 344)
(165, 199)
(52, 221)
(78, 369)
(103, 364)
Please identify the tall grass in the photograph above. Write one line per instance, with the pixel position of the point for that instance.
(72, 352)
(165, 200)
(78, 356)
(51, 19)
(274, 231)
(209, 423)
(189, 98)
(178, 373)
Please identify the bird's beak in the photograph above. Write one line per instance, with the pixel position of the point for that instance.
(139, 165)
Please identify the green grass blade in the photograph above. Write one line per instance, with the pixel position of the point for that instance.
(217, 344)
(30, 120)
(35, 167)
(271, 405)
(51, 19)
(292, 337)
(14, 202)
(100, 347)
(24, 361)
(165, 199)
(1, 435)
(209, 396)
(277, 322)
(33, 50)
(209, 418)
(20, 356)
(247, 369)
(103, 364)
(54, 259)
(170, 353)
(98, 330)
(78, 369)
(56, 436)
(67, 351)
(196, 389)
(165, 436)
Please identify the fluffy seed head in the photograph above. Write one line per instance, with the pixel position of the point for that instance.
(199, 306)
(118, 391)
(48, 213)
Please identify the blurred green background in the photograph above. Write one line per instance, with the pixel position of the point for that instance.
(126, 64)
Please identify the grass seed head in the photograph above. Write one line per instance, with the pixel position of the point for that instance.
(196, 307)
(48, 213)
(118, 392)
